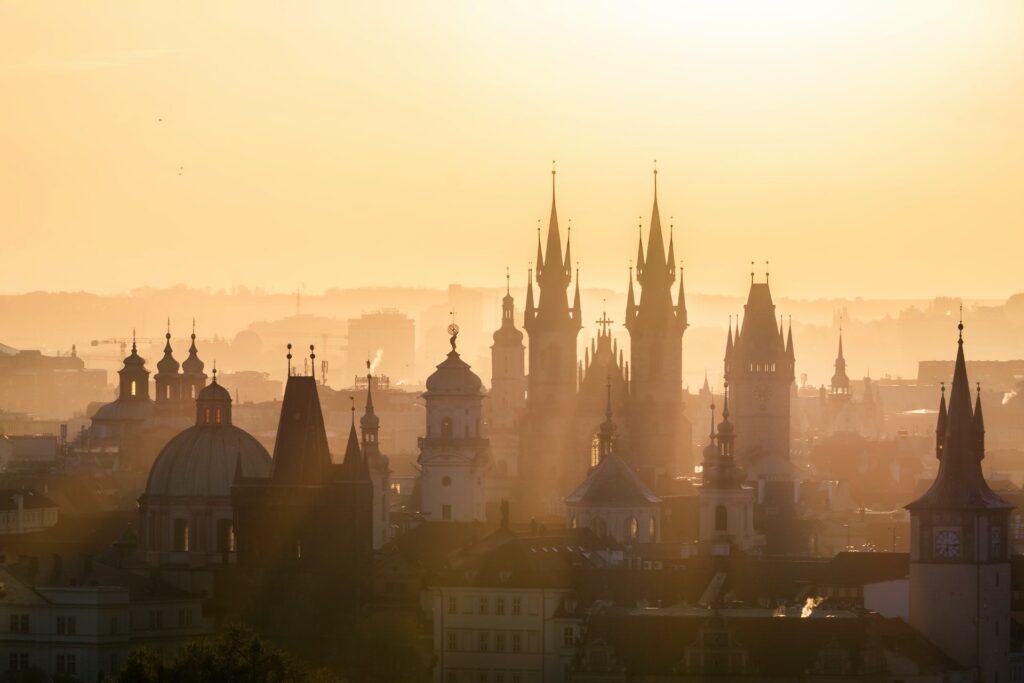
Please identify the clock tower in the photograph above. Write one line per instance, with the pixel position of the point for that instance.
(959, 561)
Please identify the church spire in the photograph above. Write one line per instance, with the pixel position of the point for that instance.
(354, 465)
(941, 424)
(630, 300)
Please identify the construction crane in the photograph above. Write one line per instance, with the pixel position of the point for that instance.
(123, 342)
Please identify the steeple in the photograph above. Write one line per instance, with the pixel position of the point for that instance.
(354, 467)
(369, 423)
(960, 482)
(606, 437)
(553, 276)
(192, 365)
(168, 365)
(840, 381)
(941, 424)
(979, 425)
(630, 300)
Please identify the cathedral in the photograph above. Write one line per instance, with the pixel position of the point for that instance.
(562, 390)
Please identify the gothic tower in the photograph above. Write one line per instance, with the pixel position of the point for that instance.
(507, 398)
(759, 366)
(602, 363)
(552, 326)
(659, 444)
(959, 555)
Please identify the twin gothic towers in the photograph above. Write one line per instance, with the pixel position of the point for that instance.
(558, 426)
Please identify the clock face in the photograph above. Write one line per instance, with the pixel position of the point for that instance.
(947, 543)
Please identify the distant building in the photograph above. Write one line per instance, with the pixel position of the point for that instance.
(506, 402)
(47, 386)
(24, 511)
(28, 453)
(387, 337)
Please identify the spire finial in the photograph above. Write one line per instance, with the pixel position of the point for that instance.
(289, 357)
(168, 327)
(712, 434)
(553, 180)
(193, 328)
(655, 178)
(312, 361)
(453, 330)
(214, 370)
(508, 281)
(766, 272)
(960, 325)
(352, 409)
(751, 272)
(134, 348)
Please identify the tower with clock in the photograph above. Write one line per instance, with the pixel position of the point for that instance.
(959, 565)
(759, 366)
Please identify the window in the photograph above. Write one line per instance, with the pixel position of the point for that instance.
(446, 428)
(225, 536)
(453, 640)
(133, 389)
(517, 642)
(633, 529)
(17, 661)
(484, 642)
(181, 535)
(721, 518)
(499, 606)
(568, 636)
(206, 415)
(217, 413)
(184, 617)
(66, 664)
(19, 623)
(499, 642)
(167, 391)
(156, 620)
(446, 512)
(517, 606)
(484, 607)
(453, 604)
(66, 626)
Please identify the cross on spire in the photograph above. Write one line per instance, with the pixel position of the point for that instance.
(604, 323)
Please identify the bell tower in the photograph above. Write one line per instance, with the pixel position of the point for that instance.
(959, 555)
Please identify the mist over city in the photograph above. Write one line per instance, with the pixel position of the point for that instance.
(487, 343)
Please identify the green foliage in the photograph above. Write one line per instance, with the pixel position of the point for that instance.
(234, 654)
(33, 675)
(388, 647)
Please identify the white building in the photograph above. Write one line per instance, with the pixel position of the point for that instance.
(454, 455)
(86, 624)
(23, 511)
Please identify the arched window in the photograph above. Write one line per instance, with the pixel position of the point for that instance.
(721, 518)
(446, 481)
(632, 529)
(446, 428)
(167, 391)
(218, 415)
(652, 529)
(206, 415)
(192, 391)
(134, 388)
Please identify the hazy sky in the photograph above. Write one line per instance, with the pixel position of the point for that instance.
(865, 148)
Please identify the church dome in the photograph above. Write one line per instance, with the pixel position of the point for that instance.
(454, 377)
(201, 462)
(192, 364)
(134, 359)
(214, 392)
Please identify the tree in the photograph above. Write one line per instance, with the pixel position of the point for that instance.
(234, 654)
(387, 647)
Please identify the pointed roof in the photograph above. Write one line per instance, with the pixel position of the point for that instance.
(354, 467)
(960, 482)
(630, 299)
(301, 454)
(656, 240)
(192, 365)
(369, 420)
(613, 483)
(133, 358)
(168, 365)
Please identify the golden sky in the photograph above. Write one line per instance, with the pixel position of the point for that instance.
(865, 148)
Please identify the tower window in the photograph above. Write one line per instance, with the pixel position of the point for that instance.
(218, 415)
(206, 415)
(167, 392)
(192, 391)
(633, 529)
(133, 389)
(721, 518)
(446, 428)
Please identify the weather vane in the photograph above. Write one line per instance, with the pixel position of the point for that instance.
(453, 331)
